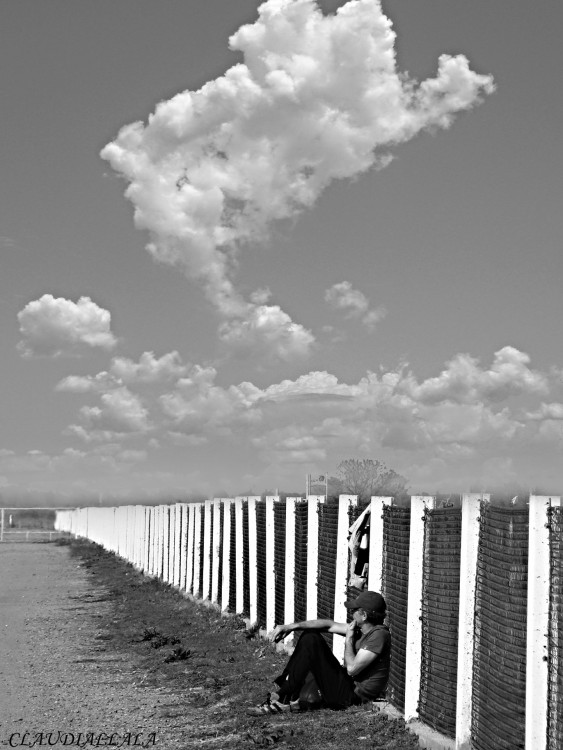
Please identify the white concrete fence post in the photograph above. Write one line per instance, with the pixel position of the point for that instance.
(168, 547)
(134, 535)
(171, 550)
(470, 511)
(190, 546)
(178, 549)
(207, 515)
(216, 550)
(152, 539)
(132, 531)
(148, 541)
(345, 502)
(120, 530)
(227, 560)
(141, 542)
(129, 531)
(114, 533)
(239, 555)
(138, 537)
(158, 541)
(253, 559)
(183, 546)
(537, 653)
(197, 547)
(149, 552)
(289, 592)
(375, 560)
(414, 606)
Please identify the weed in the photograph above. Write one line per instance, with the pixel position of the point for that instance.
(252, 632)
(149, 634)
(179, 654)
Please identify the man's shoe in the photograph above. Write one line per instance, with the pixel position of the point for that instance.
(274, 707)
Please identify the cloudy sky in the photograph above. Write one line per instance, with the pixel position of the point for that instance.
(240, 242)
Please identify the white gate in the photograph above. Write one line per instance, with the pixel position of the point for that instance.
(28, 524)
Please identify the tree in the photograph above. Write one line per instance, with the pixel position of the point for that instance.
(365, 478)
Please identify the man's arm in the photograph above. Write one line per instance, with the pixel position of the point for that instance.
(323, 626)
(355, 662)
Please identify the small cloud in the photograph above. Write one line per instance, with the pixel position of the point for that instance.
(552, 411)
(267, 332)
(373, 317)
(464, 381)
(121, 411)
(85, 383)
(261, 296)
(132, 456)
(191, 441)
(149, 369)
(355, 304)
(57, 327)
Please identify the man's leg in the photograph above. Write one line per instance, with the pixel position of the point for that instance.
(312, 654)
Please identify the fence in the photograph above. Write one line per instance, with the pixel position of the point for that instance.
(474, 594)
(19, 524)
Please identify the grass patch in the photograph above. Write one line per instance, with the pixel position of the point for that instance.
(215, 671)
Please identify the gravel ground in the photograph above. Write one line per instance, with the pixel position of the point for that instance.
(98, 655)
(56, 670)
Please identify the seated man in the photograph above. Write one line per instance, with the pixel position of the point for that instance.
(366, 659)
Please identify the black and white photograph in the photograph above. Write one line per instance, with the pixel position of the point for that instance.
(281, 424)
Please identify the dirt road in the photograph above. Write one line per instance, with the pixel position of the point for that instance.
(94, 654)
(56, 675)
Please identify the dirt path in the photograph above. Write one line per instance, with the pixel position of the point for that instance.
(55, 673)
(90, 649)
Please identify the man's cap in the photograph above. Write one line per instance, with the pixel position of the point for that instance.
(371, 601)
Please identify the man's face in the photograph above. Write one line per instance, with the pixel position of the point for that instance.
(358, 615)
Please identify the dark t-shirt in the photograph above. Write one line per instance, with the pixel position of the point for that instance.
(372, 680)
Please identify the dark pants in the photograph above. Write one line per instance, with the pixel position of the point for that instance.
(312, 654)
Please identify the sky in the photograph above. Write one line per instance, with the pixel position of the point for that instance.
(242, 242)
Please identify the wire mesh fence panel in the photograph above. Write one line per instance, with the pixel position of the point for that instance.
(218, 555)
(246, 562)
(499, 660)
(301, 528)
(440, 615)
(555, 653)
(279, 561)
(396, 533)
(261, 561)
(328, 532)
(232, 562)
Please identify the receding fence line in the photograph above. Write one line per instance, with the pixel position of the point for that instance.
(467, 641)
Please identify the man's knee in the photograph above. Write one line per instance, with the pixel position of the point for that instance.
(312, 642)
(310, 636)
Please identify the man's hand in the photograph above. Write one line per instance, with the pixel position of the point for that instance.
(279, 633)
(351, 629)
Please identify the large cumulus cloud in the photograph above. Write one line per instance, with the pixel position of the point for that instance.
(317, 98)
